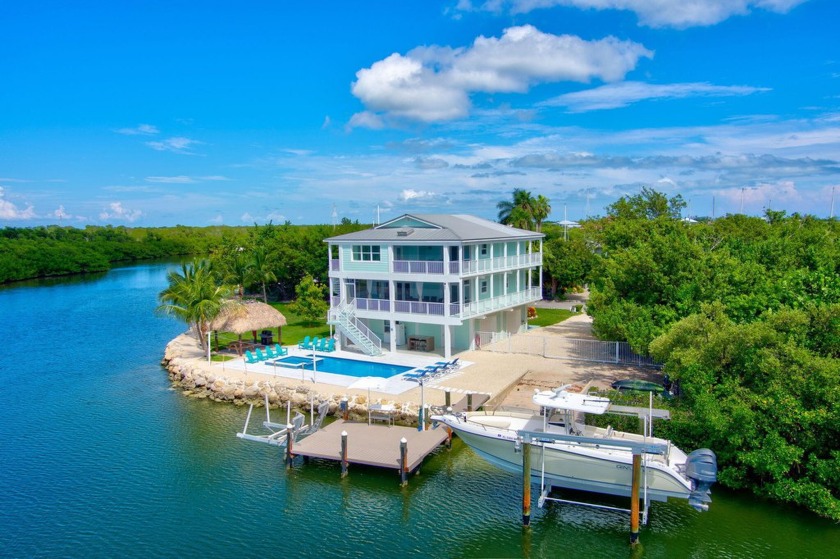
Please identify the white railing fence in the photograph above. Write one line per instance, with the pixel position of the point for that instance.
(555, 347)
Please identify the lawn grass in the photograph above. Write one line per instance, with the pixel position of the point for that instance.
(547, 317)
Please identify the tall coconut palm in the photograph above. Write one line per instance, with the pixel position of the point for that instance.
(540, 210)
(194, 297)
(260, 272)
(517, 212)
(236, 270)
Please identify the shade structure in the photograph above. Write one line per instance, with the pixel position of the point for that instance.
(246, 317)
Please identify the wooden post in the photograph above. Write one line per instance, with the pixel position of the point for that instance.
(469, 402)
(403, 462)
(345, 408)
(448, 437)
(344, 454)
(290, 438)
(448, 398)
(634, 499)
(526, 484)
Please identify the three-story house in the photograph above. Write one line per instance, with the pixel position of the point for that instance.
(432, 282)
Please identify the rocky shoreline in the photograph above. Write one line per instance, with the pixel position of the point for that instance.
(189, 371)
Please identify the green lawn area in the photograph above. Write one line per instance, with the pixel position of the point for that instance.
(547, 317)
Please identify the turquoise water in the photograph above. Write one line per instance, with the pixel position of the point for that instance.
(100, 458)
(341, 366)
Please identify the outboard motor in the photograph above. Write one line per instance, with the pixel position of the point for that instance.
(701, 469)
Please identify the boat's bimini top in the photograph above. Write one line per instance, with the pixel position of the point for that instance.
(561, 400)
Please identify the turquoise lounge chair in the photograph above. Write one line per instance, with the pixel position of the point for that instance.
(321, 345)
(330, 345)
(280, 351)
(305, 344)
(249, 357)
(260, 355)
(270, 353)
(313, 344)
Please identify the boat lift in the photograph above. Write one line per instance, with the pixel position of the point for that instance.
(639, 449)
(295, 427)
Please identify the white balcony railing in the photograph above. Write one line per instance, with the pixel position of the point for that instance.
(335, 265)
(484, 306)
(383, 305)
(501, 263)
(457, 310)
(418, 267)
(420, 307)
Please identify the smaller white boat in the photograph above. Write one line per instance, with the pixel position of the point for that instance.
(570, 454)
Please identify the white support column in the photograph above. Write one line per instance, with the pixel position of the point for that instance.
(539, 269)
(447, 341)
(393, 325)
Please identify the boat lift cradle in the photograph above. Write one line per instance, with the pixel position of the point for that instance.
(279, 431)
(643, 448)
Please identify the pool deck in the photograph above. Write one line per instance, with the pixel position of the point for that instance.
(393, 385)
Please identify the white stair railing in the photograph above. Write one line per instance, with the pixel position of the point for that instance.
(344, 317)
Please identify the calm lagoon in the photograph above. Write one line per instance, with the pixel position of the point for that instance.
(100, 458)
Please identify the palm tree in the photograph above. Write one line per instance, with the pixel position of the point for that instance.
(194, 297)
(237, 270)
(519, 211)
(260, 271)
(540, 210)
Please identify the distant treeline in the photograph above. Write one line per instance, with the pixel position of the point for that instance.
(36, 252)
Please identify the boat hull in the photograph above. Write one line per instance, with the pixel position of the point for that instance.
(571, 466)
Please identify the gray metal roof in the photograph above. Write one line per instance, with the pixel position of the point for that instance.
(446, 228)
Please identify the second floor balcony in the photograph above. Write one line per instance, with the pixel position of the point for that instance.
(458, 267)
(435, 308)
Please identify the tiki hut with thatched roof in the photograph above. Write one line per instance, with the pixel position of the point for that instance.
(248, 316)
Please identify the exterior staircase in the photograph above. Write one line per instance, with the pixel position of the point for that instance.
(343, 317)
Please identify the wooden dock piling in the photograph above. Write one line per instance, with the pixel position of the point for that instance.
(344, 463)
(634, 499)
(290, 438)
(526, 484)
(403, 462)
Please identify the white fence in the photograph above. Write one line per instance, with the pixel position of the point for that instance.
(556, 347)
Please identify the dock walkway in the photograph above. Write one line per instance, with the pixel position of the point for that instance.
(370, 445)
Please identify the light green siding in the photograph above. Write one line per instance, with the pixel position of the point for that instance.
(349, 265)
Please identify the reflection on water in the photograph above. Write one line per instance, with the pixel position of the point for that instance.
(101, 458)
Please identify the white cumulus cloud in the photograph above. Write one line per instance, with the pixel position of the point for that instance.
(115, 211)
(652, 13)
(432, 84)
(617, 95)
(9, 210)
(410, 194)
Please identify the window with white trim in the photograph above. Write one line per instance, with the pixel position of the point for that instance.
(366, 253)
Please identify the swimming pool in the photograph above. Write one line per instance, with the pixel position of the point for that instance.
(341, 366)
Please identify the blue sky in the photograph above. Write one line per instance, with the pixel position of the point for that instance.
(198, 113)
